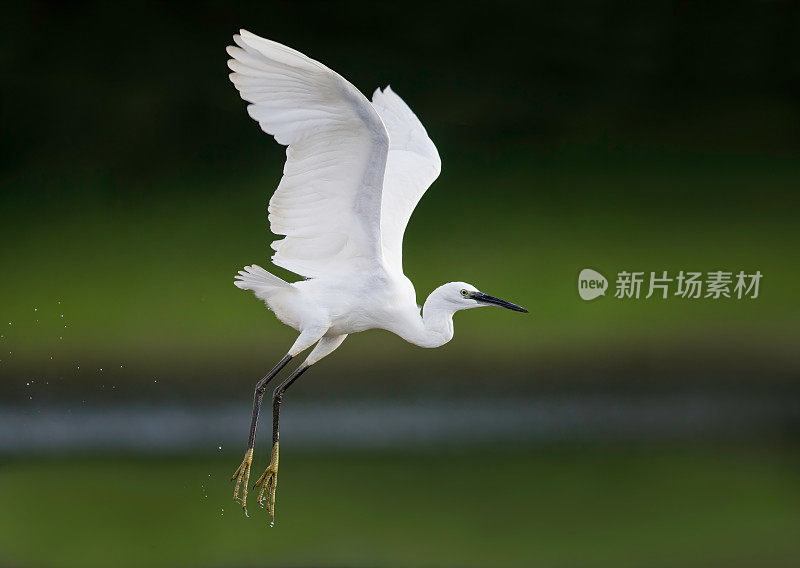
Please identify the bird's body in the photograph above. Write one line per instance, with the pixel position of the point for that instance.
(354, 173)
(345, 305)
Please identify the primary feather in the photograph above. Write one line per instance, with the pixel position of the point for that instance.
(328, 202)
(412, 166)
(354, 170)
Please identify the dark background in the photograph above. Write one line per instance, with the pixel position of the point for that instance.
(616, 136)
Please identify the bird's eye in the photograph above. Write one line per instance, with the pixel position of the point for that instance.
(464, 293)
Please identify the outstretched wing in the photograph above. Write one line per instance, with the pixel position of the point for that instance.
(412, 166)
(328, 203)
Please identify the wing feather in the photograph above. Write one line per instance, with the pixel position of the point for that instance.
(413, 164)
(328, 203)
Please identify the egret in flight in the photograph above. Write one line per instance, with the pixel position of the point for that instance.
(354, 172)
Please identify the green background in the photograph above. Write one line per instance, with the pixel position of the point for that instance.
(578, 134)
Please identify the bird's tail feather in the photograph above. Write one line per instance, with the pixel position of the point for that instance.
(257, 279)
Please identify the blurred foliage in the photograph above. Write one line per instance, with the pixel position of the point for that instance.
(589, 507)
(652, 136)
(140, 88)
(148, 285)
(649, 137)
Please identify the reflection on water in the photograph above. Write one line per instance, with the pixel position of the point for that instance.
(402, 423)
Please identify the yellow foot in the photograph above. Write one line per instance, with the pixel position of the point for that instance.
(242, 478)
(269, 483)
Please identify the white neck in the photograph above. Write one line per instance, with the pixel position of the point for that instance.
(435, 327)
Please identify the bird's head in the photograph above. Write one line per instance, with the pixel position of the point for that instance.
(463, 296)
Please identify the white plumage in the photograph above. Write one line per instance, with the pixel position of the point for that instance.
(355, 170)
(328, 203)
(412, 165)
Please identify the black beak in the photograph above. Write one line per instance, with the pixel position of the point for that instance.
(487, 299)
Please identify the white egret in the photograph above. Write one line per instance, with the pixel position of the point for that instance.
(354, 172)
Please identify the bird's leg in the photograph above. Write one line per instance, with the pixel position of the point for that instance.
(269, 480)
(242, 474)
